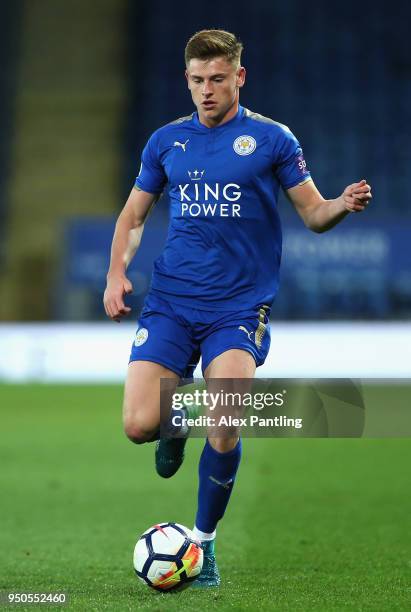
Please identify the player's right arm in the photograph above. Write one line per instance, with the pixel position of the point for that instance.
(126, 240)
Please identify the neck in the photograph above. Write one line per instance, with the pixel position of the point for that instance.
(230, 113)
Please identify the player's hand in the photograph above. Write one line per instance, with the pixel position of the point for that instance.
(117, 288)
(357, 196)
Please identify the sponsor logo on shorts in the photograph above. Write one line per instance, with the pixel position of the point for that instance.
(141, 336)
(245, 330)
(244, 145)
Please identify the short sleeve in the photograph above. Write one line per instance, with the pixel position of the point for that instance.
(289, 165)
(151, 177)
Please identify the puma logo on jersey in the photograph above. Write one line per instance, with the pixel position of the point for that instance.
(181, 144)
(246, 331)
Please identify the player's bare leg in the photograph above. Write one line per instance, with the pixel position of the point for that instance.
(219, 461)
(141, 408)
(233, 364)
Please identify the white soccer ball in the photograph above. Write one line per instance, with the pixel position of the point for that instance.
(167, 556)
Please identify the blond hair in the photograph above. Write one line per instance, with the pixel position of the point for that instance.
(208, 44)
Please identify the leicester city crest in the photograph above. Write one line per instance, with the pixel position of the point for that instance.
(141, 336)
(244, 145)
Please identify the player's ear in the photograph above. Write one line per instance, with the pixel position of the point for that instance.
(188, 81)
(241, 72)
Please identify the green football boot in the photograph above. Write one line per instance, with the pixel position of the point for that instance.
(209, 576)
(169, 456)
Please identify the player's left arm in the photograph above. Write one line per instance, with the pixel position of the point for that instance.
(320, 215)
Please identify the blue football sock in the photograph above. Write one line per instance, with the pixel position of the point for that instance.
(217, 473)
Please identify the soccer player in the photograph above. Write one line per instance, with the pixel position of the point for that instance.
(213, 285)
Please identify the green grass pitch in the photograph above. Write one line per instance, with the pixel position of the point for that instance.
(312, 524)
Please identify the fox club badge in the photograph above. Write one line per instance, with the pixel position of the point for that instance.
(141, 336)
(244, 145)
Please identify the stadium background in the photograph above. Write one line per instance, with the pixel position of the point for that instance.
(82, 86)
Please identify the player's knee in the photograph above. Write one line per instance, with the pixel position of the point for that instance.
(137, 433)
(224, 445)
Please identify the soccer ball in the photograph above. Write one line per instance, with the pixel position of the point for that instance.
(167, 556)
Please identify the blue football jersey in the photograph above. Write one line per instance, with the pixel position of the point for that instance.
(223, 248)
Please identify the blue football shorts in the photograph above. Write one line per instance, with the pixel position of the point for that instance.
(175, 336)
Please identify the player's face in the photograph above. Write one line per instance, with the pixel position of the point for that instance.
(214, 86)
